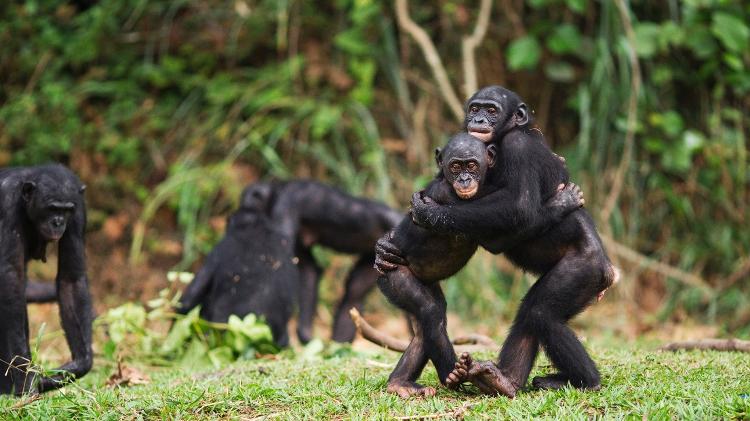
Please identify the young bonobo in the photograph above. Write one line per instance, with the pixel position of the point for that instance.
(313, 213)
(249, 271)
(432, 256)
(570, 256)
(41, 205)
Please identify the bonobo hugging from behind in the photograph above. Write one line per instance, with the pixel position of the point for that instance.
(430, 256)
(514, 220)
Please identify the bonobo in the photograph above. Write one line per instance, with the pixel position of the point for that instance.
(314, 213)
(431, 256)
(42, 205)
(250, 270)
(569, 255)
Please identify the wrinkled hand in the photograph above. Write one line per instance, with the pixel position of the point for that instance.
(387, 256)
(569, 196)
(423, 209)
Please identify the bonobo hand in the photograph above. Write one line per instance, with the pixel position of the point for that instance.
(387, 255)
(569, 196)
(424, 210)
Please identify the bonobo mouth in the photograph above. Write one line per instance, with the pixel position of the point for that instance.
(52, 235)
(468, 192)
(485, 135)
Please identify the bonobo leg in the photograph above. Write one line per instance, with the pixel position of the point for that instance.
(309, 277)
(359, 282)
(40, 292)
(542, 319)
(15, 356)
(558, 296)
(425, 303)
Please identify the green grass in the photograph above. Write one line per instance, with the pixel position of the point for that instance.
(638, 383)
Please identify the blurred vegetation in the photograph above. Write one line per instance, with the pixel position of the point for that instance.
(174, 104)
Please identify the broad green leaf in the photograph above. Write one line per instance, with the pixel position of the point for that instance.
(524, 53)
(646, 38)
(731, 31)
(220, 356)
(180, 331)
(564, 39)
(576, 5)
(313, 349)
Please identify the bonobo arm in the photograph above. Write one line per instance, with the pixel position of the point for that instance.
(285, 213)
(567, 199)
(516, 205)
(196, 291)
(75, 302)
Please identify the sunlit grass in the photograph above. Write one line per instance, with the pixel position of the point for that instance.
(638, 382)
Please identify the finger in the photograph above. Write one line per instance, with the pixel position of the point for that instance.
(560, 186)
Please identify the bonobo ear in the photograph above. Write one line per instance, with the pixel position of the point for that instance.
(491, 155)
(27, 190)
(439, 157)
(82, 189)
(521, 116)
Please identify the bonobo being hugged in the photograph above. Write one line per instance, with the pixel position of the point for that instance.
(513, 219)
(251, 270)
(38, 206)
(430, 256)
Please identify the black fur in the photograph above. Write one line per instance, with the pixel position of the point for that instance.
(251, 270)
(430, 256)
(569, 255)
(313, 213)
(39, 205)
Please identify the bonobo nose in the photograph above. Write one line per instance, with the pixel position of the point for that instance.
(58, 222)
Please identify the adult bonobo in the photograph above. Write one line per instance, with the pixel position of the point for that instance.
(569, 255)
(313, 213)
(40, 205)
(431, 256)
(250, 270)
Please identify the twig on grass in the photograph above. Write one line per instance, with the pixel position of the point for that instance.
(468, 343)
(735, 345)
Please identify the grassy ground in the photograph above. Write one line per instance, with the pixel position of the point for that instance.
(638, 383)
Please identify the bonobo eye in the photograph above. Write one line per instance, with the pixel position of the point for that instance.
(455, 168)
(473, 167)
(491, 110)
(474, 109)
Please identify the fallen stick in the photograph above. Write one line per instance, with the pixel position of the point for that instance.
(736, 345)
(467, 343)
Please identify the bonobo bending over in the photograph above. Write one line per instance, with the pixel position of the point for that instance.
(570, 256)
(314, 213)
(431, 256)
(40, 205)
(249, 271)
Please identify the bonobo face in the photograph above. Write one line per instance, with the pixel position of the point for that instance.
(464, 162)
(49, 207)
(493, 111)
(255, 197)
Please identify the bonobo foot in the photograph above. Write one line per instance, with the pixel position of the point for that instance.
(568, 196)
(485, 375)
(557, 381)
(406, 389)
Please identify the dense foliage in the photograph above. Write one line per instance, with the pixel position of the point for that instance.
(176, 103)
